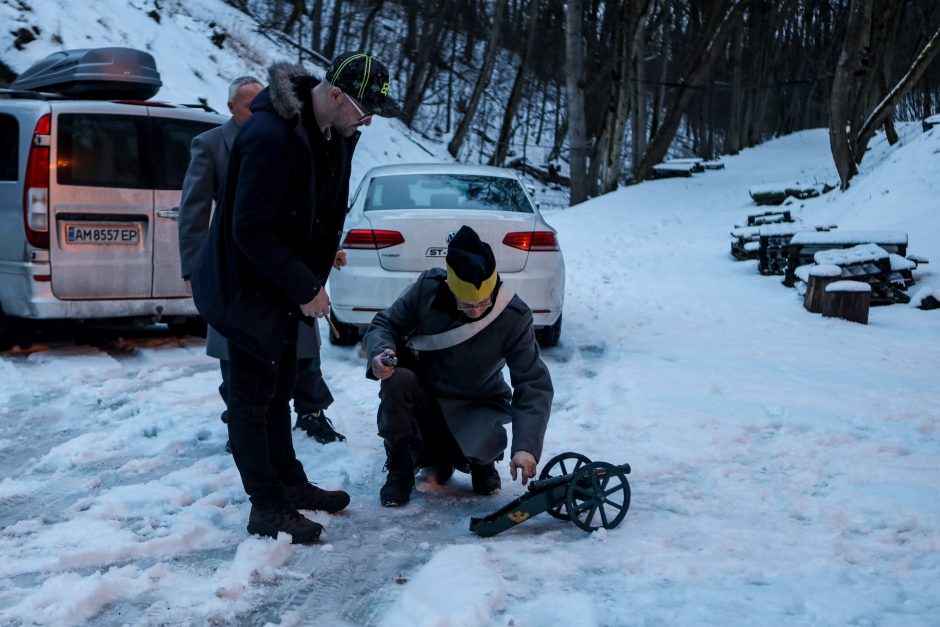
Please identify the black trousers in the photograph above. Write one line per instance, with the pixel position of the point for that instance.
(259, 424)
(310, 391)
(409, 415)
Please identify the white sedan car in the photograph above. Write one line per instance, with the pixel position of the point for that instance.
(401, 219)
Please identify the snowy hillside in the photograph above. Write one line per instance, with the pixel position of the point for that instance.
(191, 66)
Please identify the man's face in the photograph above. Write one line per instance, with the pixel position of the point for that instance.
(350, 115)
(475, 310)
(243, 97)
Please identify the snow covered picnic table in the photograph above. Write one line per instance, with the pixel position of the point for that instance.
(888, 274)
(686, 166)
(803, 246)
(777, 193)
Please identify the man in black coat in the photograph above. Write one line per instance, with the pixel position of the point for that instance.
(445, 401)
(202, 187)
(271, 245)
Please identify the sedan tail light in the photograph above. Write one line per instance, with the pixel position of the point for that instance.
(532, 241)
(370, 239)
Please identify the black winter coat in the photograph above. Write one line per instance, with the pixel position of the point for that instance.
(269, 250)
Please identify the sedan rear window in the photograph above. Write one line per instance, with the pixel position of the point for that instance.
(446, 191)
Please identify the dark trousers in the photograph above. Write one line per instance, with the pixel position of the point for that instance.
(409, 415)
(310, 391)
(259, 424)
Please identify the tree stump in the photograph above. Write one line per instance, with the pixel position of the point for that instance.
(819, 277)
(848, 300)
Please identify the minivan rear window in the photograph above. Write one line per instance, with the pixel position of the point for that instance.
(446, 191)
(172, 139)
(9, 147)
(101, 151)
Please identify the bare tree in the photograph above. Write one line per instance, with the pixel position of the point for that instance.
(515, 93)
(886, 107)
(423, 69)
(604, 171)
(367, 24)
(483, 78)
(706, 48)
(577, 124)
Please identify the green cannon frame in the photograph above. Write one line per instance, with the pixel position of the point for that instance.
(591, 495)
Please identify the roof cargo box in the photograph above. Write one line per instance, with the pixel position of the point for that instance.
(105, 73)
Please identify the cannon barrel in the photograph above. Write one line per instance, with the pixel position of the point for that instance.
(547, 484)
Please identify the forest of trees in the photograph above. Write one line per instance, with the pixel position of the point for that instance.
(594, 93)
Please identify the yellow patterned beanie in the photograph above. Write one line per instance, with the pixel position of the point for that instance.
(471, 266)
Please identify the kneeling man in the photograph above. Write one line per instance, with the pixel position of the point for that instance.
(439, 351)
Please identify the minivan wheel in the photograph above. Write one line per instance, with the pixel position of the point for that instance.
(548, 336)
(188, 326)
(8, 332)
(348, 333)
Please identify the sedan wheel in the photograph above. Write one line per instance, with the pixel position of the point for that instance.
(548, 336)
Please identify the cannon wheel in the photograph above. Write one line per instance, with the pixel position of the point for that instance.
(563, 464)
(598, 496)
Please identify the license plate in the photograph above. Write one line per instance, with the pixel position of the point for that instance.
(126, 234)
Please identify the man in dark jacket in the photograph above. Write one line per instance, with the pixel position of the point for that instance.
(202, 187)
(271, 245)
(444, 398)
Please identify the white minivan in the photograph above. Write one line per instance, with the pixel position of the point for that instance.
(91, 173)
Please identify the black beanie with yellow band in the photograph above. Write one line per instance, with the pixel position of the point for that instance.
(471, 266)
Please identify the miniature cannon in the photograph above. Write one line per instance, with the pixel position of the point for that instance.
(592, 495)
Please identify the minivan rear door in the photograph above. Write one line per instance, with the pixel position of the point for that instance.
(100, 202)
(172, 132)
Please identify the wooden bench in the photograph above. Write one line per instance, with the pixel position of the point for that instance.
(672, 170)
(746, 240)
(803, 246)
(698, 164)
(769, 217)
(777, 193)
(773, 245)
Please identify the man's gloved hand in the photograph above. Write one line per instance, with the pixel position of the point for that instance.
(524, 461)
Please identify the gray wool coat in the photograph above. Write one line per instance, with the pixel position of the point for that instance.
(202, 184)
(467, 379)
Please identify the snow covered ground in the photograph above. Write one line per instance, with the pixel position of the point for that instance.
(785, 466)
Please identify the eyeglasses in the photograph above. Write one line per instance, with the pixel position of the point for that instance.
(485, 304)
(363, 116)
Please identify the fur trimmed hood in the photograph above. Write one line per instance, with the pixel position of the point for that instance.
(283, 94)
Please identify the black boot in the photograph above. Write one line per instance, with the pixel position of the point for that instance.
(312, 497)
(485, 479)
(319, 427)
(268, 522)
(401, 475)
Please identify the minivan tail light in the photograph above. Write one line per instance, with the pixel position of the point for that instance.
(532, 241)
(36, 189)
(372, 239)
